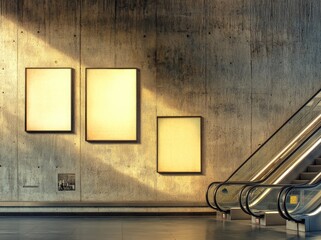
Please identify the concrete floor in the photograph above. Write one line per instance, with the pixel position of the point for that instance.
(124, 228)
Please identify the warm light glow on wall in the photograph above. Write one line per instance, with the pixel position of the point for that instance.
(111, 104)
(179, 144)
(48, 99)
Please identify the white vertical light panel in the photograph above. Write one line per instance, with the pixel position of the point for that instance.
(111, 105)
(48, 100)
(179, 144)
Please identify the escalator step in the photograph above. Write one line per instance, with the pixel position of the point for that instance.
(318, 161)
(300, 181)
(308, 175)
(314, 168)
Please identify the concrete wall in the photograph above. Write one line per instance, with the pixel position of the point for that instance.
(244, 65)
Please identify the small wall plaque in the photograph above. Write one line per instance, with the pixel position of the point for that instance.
(66, 182)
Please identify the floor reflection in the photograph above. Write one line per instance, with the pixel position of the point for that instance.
(155, 228)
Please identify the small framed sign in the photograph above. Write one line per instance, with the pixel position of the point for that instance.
(66, 182)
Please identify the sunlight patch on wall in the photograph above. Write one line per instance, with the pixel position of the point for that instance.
(8, 71)
(52, 57)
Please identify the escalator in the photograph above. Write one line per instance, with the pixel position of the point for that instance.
(281, 160)
(302, 205)
(259, 199)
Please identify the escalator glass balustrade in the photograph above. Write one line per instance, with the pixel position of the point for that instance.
(302, 202)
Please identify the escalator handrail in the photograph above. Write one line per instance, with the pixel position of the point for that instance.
(283, 213)
(284, 206)
(207, 195)
(241, 194)
(284, 187)
(283, 194)
(240, 199)
(227, 183)
(274, 133)
(245, 183)
(286, 193)
(247, 201)
(281, 200)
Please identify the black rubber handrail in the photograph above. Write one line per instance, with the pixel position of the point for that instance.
(281, 197)
(226, 184)
(207, 196)
(284, 187)
(247, 202)
(283, 193)
(240, 198)
(216, 189)
(286, 192)
(241, 194)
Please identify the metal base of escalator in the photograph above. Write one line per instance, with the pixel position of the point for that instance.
(234, 214)
(311, 224)
(269, 219)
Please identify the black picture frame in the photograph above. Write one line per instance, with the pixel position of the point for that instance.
(200, 145)
(31, 90)
(137, 112)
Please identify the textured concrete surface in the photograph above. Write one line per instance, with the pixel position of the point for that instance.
(244, 66)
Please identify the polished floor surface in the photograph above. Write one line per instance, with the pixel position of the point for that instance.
(141, 228)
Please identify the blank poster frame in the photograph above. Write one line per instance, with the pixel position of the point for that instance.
(68, 98)
(137, 110)
(200, 145)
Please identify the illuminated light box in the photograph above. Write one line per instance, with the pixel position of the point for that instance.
(48, 100)
(179, 144)
(111, 105)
